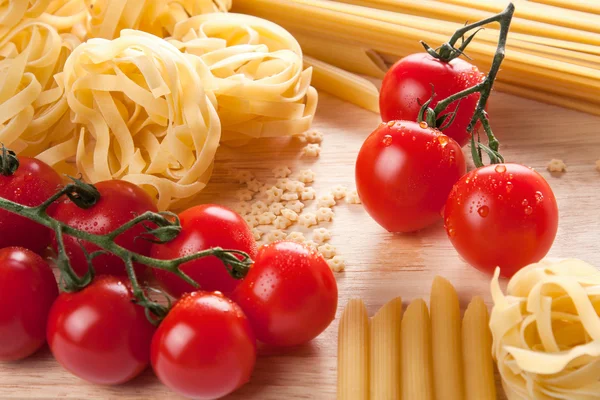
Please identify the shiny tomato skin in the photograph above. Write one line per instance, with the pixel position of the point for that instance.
(99, 334)
(203, 227)
(404, 173)
(407, 84)
(32, 184)
(290, 294)
(502, 215)
(119, 203)
(27, 291)
(205, 347)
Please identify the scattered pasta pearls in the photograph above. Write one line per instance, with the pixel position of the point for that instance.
(274, 194)
(598, 165)
(301, 137)
(326, 201)
(339, 192)
(311, 150)
(321, 235)
(295, 205)
(556, 166)
(254, 185)
(308, 193)
(259, 207)
(257, 233)
(281, 171)
(325, 214)
(328, 251)
(242, 208)
(251, 220)
(282, 183)
(244, 176)
(266, 218)
(294, 186)
(289, 214)
(244, 194)
(307, 219)
(337, 264)
(297, 237)
(276, 235)
(276, 208)
(312, 244)
(313, 136)
(352, 197)
(282, 222)
(306, 176)
(289, 196)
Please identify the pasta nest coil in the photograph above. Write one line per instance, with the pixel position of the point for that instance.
(546, 331)
(256, 73)
(141, 115)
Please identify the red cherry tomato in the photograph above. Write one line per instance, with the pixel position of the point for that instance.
(204, 348)
(289, 295)
(119, 203)
(203, 227)
(408, 83)
(404, 173)
(99, 334)
(502, 215)
(32, 184)
(27, 291)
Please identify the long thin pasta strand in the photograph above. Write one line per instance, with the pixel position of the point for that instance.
(416, 358)
(477, 353)
(385, 351)
(590, 6)
(353, 353)
(446, 341)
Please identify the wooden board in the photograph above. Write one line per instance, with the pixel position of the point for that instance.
(381, 265)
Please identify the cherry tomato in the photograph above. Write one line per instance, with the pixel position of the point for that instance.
(289, 295)
(119, 203)
(408, 83)
(204, 348)
(31, 184)
(502, 215)
(99, 334)
(27, 291)
(404, 173)
(203, 227)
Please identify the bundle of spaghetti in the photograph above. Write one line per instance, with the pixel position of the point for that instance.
(255, 71)
(33, 109)
(141, 115)
(546, 331)
(556, 62)
(159, 17)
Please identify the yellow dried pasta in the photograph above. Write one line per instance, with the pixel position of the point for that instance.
(385, 351)
(353, 353)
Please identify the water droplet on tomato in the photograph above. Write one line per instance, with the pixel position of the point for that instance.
(414, 138)
(474, 68)
(451, 232)
(423, 124)
(500, 169)
(525, 203)
(443, 139)
(483, 211)
(391, 123)
(452, 152)
(528, 210)
(539, 197)
(510, 176)
(500, 197)
(467, 181)
(509, 186)
(451, 160)
(18, 191)
(387, 140)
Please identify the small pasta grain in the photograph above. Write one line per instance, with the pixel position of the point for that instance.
(281, 222)
(307, 219)
(276, 235)
(339, 192)
(276, 208)
(306, 176)
(311, 150)
(244, 195)
(295, 205)
(326, 201)
(242, 208)
(325, 214)
(308, 193)
(337, 263)
(244, 176)
(289, 196)
(251, 220)
(254, 185)
(266, 218)
(274, 194)
(313, 136)
(352, 197)
(257, 233)
(297, 237)
(259, 207)
(294, 186)
(282, 183)
(327, 250)
(290, 214)
(556, 165)
(281, 171)
(321, 235)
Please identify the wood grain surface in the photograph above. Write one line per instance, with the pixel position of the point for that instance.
(380, 265)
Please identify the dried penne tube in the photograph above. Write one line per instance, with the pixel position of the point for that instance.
(446, 341)
(415, 352)
(385, 351)
(477, 353)
(353, 352)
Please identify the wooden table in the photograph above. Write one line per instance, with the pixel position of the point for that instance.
(380, 265)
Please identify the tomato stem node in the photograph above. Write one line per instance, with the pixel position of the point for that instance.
(9, 163)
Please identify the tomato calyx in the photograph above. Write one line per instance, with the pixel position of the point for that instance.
(84, 195)
(9, 163)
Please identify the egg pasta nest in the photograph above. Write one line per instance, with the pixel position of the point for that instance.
(145, 90)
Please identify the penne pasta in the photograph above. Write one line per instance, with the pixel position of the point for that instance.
(477, 353)
(446, 341)
(385, 351)
(353, 353)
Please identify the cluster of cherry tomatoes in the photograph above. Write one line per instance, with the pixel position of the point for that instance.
(206, 345)
(410, 175)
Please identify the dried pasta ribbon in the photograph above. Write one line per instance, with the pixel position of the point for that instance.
(546, 331)
(257, 74)
(141, 115)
